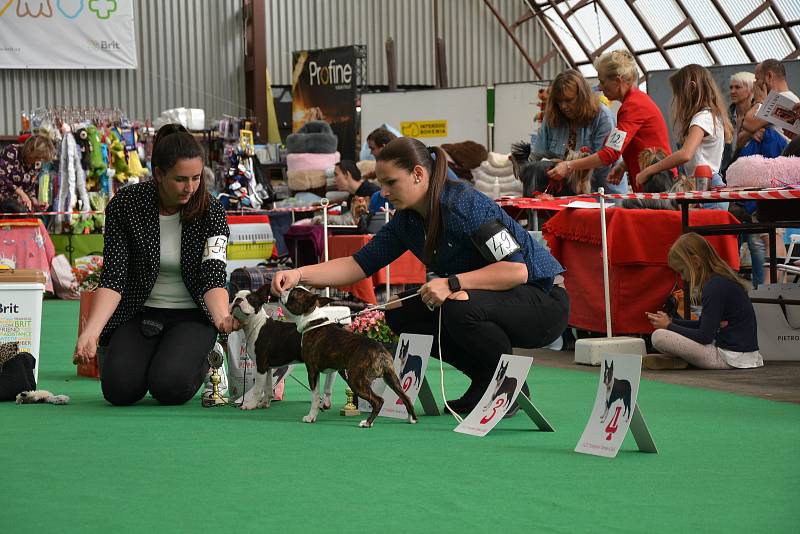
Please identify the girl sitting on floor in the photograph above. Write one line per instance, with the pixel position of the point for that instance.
(725, 335)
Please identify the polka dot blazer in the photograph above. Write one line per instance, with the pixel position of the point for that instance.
(131, 253)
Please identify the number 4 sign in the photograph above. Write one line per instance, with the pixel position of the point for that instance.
(615, 409)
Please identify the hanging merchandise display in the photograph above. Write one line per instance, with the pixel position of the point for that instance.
(100, 151)
(243, 186)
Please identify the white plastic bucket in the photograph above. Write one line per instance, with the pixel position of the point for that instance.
(21, 316)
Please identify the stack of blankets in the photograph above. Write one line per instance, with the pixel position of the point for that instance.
(311, 157)
(495, 177)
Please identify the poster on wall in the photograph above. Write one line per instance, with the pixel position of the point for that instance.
(324, 88)
(67, 34)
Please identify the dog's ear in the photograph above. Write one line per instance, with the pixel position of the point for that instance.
(323, 301)
(264, 292)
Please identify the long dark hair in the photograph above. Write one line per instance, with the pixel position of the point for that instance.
(172, 143)
(406, 153)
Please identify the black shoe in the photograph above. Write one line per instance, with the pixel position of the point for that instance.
(512, 411)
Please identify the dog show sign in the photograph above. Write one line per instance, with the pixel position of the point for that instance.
(509, 377)
(615, 409)
(410, 364)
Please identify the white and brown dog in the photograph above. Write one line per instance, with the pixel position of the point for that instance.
(273, 344)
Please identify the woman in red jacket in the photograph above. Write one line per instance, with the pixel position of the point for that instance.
(640, 124)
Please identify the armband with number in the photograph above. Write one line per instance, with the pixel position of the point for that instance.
(216, 248)
(495, 241)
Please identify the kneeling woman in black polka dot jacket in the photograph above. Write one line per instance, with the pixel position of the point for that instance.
(162, 296)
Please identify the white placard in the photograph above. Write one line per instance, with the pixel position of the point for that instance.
(67, 34)
(410, 364)
(613, 406)
(509, 377)
(583, 204)
(616, 139)
(502, 245)
(777, 110)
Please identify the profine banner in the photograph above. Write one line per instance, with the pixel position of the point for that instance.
(324, 88)
(67, 34)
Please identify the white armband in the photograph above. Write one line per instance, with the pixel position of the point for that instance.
(616, 139)
(216, 248)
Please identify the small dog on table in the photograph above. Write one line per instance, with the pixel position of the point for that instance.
(326, 345)
(274, 344)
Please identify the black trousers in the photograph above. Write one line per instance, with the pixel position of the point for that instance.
(171, 365)
(476, 332)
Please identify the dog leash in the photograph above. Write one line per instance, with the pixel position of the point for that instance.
(441, 371)
(377, 307)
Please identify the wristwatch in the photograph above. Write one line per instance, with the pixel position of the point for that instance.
(454, 284)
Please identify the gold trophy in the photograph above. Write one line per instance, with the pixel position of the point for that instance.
(349, 408)
(215, 359)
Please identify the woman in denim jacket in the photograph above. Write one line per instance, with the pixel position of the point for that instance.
(574, 118)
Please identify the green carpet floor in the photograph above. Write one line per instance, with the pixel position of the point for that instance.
(727, 464)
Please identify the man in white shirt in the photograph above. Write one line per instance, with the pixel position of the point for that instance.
(770, 76)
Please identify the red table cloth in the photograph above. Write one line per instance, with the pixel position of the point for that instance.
(639, 279)
(406, 269)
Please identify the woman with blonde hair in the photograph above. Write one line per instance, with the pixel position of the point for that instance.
(574, 119)
(741, 93)
(725, 336)
(640, 124)
(20, 166)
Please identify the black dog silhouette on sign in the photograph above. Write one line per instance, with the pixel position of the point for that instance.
(410, 363)
(616, 389)
(503, 385)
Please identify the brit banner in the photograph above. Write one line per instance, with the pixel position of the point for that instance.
(324, 88)
(67, 34)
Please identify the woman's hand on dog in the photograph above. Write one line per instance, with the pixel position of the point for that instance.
(85, 348)
(285, 280)
(658, 319)
(228, 324)
(615, 176)
(559, 171)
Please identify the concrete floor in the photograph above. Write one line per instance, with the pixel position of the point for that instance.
(777, 380)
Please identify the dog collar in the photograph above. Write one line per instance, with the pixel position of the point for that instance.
(303, 321)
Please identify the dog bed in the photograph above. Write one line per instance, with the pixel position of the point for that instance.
(761, 172)
(306, 180)
(311, 162)
(314, 137)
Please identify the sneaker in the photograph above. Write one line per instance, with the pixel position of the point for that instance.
(663, 363)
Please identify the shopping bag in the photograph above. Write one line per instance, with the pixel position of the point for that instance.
(779, 323)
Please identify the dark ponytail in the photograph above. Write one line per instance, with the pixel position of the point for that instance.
(173, 142)
(406, 153)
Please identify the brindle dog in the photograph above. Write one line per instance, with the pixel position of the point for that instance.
(358, 359)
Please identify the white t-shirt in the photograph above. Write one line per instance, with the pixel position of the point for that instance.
(709, 152)
(170, 291)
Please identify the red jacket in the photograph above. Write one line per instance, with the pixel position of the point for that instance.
(642, 121)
